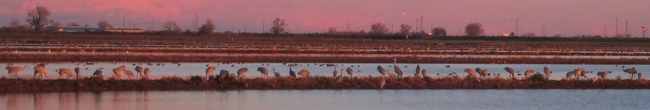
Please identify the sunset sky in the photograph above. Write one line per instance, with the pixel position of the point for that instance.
(565, 17)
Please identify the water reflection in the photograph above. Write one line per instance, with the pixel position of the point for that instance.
(330, 99)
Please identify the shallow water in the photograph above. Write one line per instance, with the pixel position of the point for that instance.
(330, 100)
(361, 69)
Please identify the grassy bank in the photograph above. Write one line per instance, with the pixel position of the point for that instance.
(318, 82)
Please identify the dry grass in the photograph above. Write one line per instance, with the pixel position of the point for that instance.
(316, 82)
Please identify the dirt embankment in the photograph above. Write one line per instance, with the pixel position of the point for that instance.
(284, 83)
(308, 59)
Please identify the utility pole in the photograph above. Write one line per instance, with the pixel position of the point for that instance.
(543, 30)
(263, 26)
(643, 29)
(123, 22)
(517, 27)
(616, 27)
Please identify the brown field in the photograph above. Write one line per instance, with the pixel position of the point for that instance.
(318, 82)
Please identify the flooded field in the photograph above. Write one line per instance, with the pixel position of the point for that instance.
(329, 100)
(185, 70)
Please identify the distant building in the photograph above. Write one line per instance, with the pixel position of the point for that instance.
(85, 29)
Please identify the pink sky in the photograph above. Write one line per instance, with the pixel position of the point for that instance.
(566, 17)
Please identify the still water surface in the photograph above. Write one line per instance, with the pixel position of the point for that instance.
(331, 100)
(361, 69)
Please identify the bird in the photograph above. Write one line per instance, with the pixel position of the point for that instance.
(276, 73)
(547, 72)
(14, 70)
(381, 70)
(350, 71)
(304, 73)
(640, 76)
(98, 73)
(417, 71)
(583, 74)
(264, 71)
(128, 73)
(223, 74)
(424, 73)
(511, 71)
(392, 75)
(630, 71)
(484, 73)
(208, 72)
(138, 70)
(570, 73)
(146, 73)
(293, 74)
(241, 71)
(579, 71)
(64, 71)
(528, 73)
(40, 69)
(116, 73)
(335, 73)
(603, 75)
(397, 70)
(76, 71)
(340, 77)
(472, 73)
(478, 70)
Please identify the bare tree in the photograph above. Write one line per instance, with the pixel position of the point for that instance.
(438, 31)
(38, 18)
(378, 28)
(104, 24)
(405, 29)
(278, 26)
(474, 29)
(332, 30)
(54, 23)
(206, 28)
(171, 27)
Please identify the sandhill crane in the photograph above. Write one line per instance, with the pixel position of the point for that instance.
(98, 73)
(241, 72)
(350, 71)
(478, 70)
(579, 72)
(603, 75)
(472, 73)
(146, 73)
(277, 75)
(304, 73)
(116, 73)
(335, 73)
(64, 71)
(208, 72)
(570, 73)
(397, 70)
(528, 73)
(630, 71)
(223, 74)
(583, 74)
(381, 70)
(264, 71)
(340, 77)
(417, 71)
(392, 75)
(424, 73)
(640, 77)
(139, 70)
(76, 71)
(511, 71)
(547, 72)
(293, 74)
(40, 69)
(14, 70)
(483, 73)
(128, 73)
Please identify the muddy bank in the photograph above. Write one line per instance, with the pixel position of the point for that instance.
(286, 83)
(306, 59)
